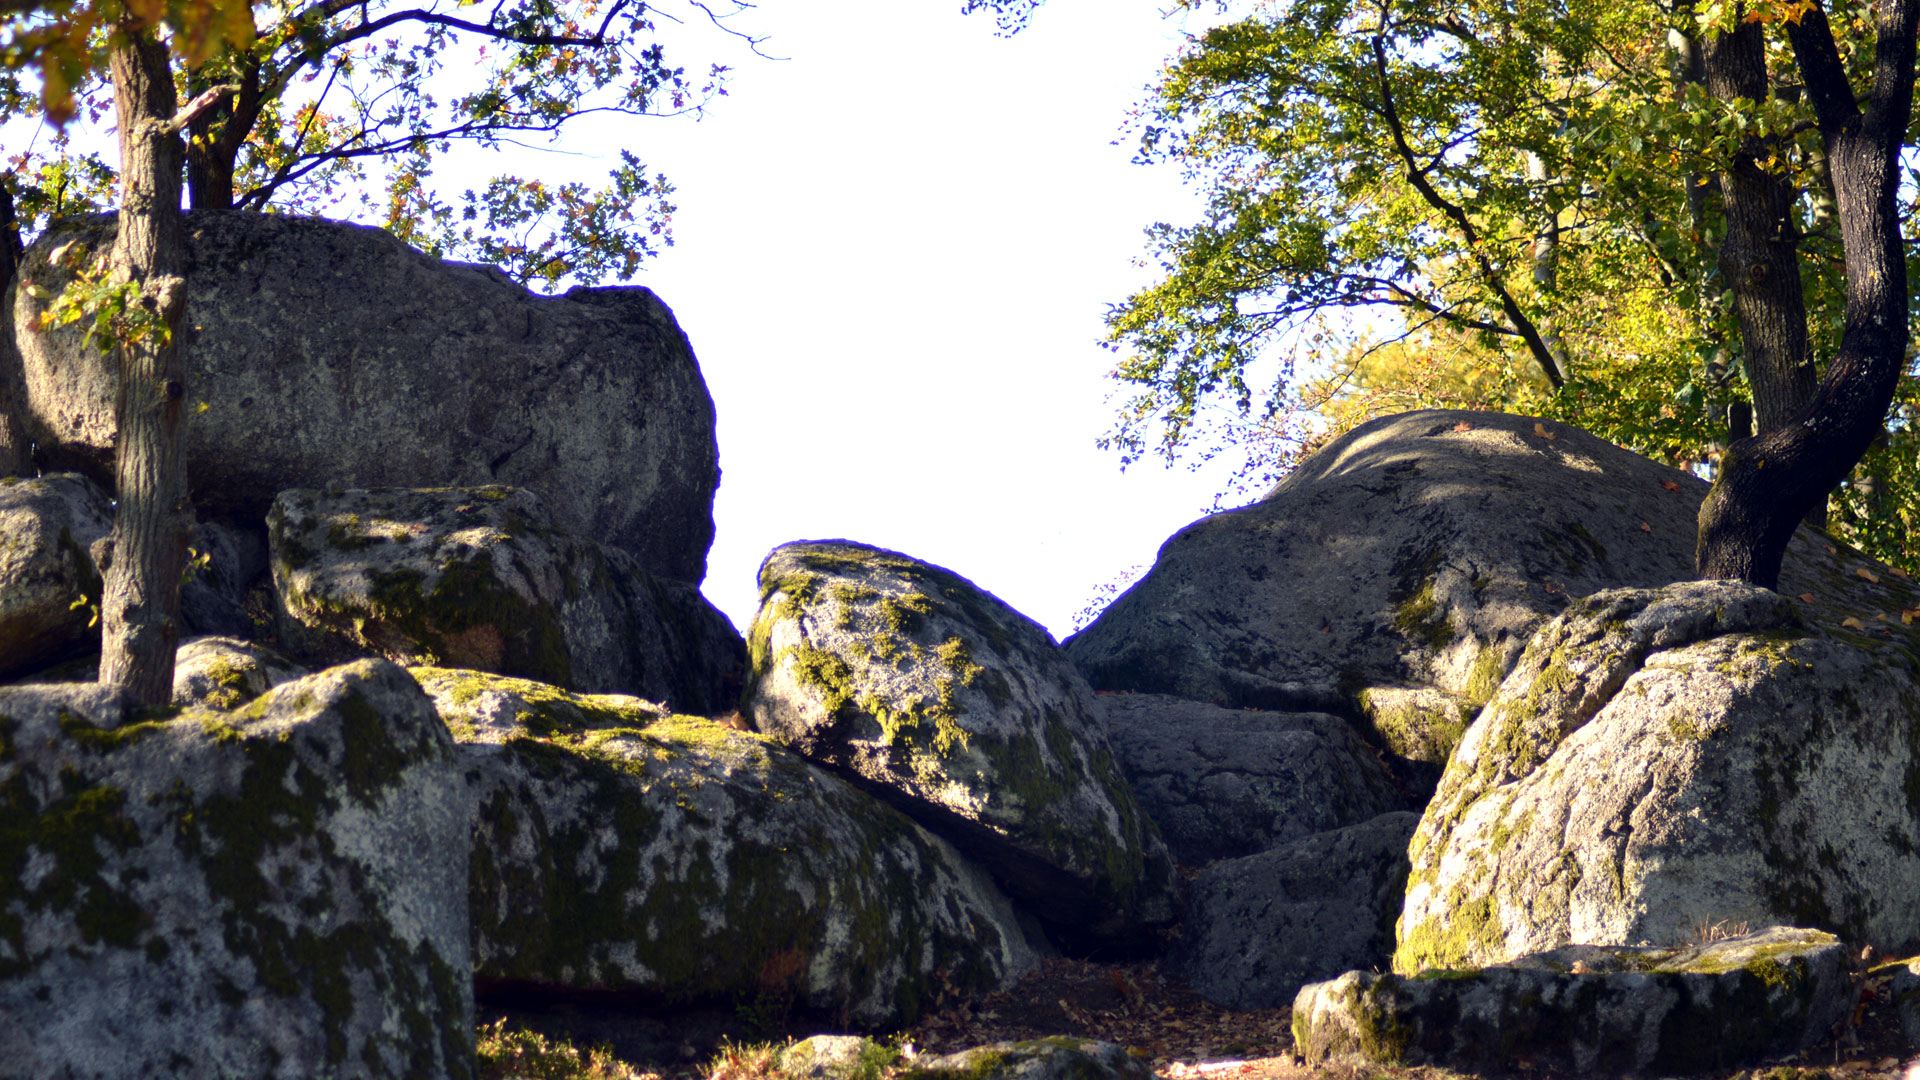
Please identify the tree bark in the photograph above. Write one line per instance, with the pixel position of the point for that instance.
(1768, 482)
(152, 519)
(1760, 257)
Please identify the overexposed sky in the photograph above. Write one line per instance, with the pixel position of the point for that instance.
(894, 251)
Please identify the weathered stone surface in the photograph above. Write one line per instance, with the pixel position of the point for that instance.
(481, 578)
(1661, 760)
(965, 714)
(277, 891)
(1416, 551)
(1260, 927)
(1054, 1058)
(833, 1057)
(1582, 1011)
(1222, 783)
(224, 673)
(617, 846)
(330, 353)
(227, 562)
(46, 526)
(1905, 989)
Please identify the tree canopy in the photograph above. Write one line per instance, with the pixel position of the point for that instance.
(1620, 214)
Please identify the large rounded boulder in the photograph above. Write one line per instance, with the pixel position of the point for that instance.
(620, 847)
(49, 588)
(965, 714)
(1397, 573)
(323, 353)
(273, 891)
(1662, 762)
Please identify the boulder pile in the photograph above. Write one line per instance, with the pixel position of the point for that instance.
(451, 712)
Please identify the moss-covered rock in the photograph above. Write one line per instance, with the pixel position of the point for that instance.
(1058, 1057)
(224, 673)
(1661, 760)
(275, 891)
(619, 846)
(1222, 783)
(1583, 1011)
(964, 713)
(49, 588)
(480, 578)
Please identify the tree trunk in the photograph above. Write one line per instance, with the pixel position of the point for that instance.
(152, 519)
(1760, 257)
(1767, 483)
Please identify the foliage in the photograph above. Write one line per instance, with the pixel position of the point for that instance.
(528, 1055)
(1469, 204)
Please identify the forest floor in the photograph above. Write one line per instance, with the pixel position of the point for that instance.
(1136, 1006)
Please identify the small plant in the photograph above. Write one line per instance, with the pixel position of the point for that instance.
(528, 1055)
(745, 1061)
(1706, 933)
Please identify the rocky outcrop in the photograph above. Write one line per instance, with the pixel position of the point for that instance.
(278, 891)
(1904, 988)
(1661, 760)
(327, 353)
(1055, 1058)
(49, 589)
(1582, 1011)
(965, 714)
(1260, 927)
(481, 578)
(619, 847)
(1222, 783)
(225, 673)
(1416, 552)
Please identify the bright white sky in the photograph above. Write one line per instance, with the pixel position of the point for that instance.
(894, 251)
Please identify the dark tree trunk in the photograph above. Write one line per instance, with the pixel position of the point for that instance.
(140, 612)
(1760, 257)
(15, 451)
(217, 136)
(1767, 483)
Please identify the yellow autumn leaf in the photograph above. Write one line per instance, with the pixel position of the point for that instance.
(1852, 623)
(1868, 574)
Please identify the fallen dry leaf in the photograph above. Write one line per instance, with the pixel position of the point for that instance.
(1868, 574)
(1907, 616)
(1829, 548)
(1880, 616)
(1644, 527)
(1464, 425)
(1896, 571)
(1670, 485)
(1852, 623)
(1540, 431)
(1807, 596)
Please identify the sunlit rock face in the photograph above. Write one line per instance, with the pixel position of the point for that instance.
(278, 890)
(333, 354)
(1664, 761)
(965, 714)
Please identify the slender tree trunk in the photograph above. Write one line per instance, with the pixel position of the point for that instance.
(1768, 482)
(1760, 257)
(152, 519)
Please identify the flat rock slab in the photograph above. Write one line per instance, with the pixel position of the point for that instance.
(1056, 1058)
(1421, 551)
(1260, 927)
(276, 891)
(1222, 783)
(482, 578)
(328, 353)
(965, 714)
(1586, 1010)
(47, 577)
(1661, 760)
(618, 847)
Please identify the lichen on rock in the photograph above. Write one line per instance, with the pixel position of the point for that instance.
(273, 891)
(619, 846)
(1665, 759)
(967, 715)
